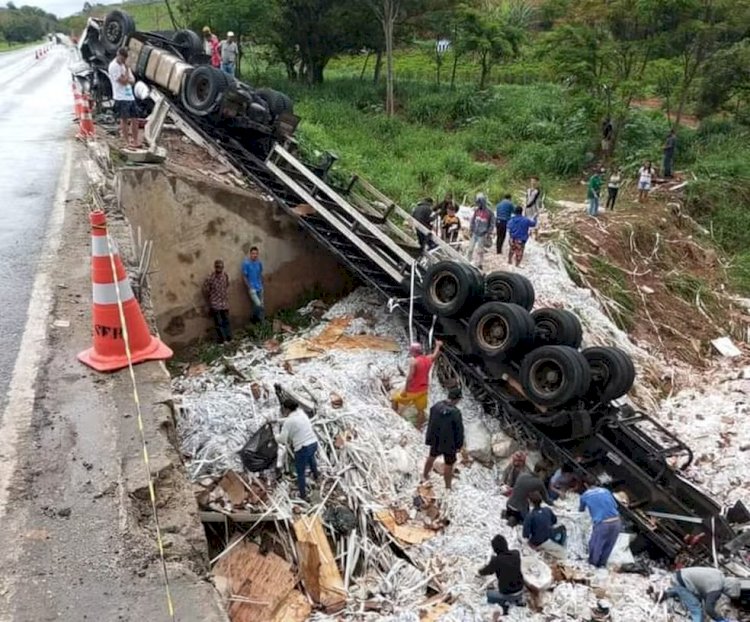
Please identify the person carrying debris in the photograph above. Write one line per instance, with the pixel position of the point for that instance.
(699, 588)
(482, 224)
(445, 435)
(417, 381)
(216, 291)
(503, 213)
(518, 231)
(506, 566)
(298, 433)
(451, 226)
(540, 528)
(516, 467)
(229, 53)
(211, 47)
(424, 214)
(593, 191)
(602, 507)
(122, 79)
(252, 272)
(517, 506)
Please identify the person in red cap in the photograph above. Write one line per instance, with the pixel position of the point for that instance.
(417, 384)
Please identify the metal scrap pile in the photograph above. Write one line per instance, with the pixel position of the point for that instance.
(412, 549)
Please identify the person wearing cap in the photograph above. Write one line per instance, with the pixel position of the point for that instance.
(699, 588)
(297, 432)
(211, 47)
(481, 226)
(417, 381)
(445, 435)
(229, 53)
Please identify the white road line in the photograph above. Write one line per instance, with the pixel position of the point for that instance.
(16, 418)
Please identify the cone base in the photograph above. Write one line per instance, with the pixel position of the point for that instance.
(155, 351)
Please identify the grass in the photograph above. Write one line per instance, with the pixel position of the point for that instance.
(692, 289)
(5, 46)
(613, 284)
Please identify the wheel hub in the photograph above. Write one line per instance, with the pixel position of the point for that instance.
(445, 288)
(547, 377)
(493, 332)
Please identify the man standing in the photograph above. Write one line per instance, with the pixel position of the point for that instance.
(480, 228)
(539, 528)
(602, 507)
(252, 271)
(503, 213)
(517, 506)
(533, 199)
(506, 566)
(593, 191)
(445, 435)
(229, 53)
(613, 188)
(702, 587)
(424, 213)
(122, 79)
(216, 291)
(518, 231)
(211, 47)
(417, 381)
(669, 147)
(297, 431)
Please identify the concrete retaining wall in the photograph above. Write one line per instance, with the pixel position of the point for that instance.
(194, 221)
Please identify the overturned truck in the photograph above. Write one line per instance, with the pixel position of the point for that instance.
(525, 365)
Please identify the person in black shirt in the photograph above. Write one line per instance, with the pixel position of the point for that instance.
(506, 566)
(445, 435)
(424, 214)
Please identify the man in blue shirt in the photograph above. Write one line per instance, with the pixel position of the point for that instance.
(540, 528)
(602, 507)
(252, 272)
(518, 230)
(503, 213)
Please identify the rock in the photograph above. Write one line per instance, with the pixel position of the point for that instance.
(477, 441)
(64, 512)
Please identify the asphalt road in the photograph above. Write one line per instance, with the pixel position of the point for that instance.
(35, 124)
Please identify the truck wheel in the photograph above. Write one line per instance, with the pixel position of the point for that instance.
(189, 44)
(118, 26)
(555, 375)
(612, 373)
(496, 329)
(203, 87)
(278, 102)
(509, 287)
(449, 288)
(557, 327)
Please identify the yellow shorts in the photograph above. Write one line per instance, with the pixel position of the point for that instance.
(418, 400)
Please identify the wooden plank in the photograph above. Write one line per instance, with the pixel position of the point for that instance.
(295, 608)
(232, 484)
(409, 534)
(332, 593)
(309, 567)
(254, 585)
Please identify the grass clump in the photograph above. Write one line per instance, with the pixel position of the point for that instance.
(613, 285)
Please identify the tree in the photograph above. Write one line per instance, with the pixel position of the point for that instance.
(488, 38)
(387, 12)
(729, 68)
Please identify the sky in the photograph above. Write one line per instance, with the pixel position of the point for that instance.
(61, 8)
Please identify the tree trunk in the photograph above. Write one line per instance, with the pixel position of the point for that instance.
(485, 70)
(390, 105)
(364, 67)
(315, 75)
(454, 45)
(378, 67)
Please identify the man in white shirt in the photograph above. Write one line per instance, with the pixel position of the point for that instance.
(122, 79)
(297, 431)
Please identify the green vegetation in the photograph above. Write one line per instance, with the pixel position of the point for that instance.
(618, 299)
(24, 25)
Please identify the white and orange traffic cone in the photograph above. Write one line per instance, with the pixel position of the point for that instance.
(77, 107)
(109, 352)
(86, 127)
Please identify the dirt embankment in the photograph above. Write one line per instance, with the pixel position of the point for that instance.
(658, 276)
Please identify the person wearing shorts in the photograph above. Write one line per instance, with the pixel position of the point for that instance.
(645, 175)
(445, 436)
(122, 79)
(518, 231)
(417, 381)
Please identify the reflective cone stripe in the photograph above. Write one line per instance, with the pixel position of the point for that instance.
(86, 128)
(109, 352)
(77, 103)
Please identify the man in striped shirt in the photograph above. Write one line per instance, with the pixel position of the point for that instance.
(216, 291)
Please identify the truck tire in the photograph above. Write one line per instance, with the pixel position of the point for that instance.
(278, 102)
(451, 288)
(142, 62)
(509, 287)
(553, 376)
(498, 329)
(557, 327)
(203, 87)
(612, 373)
(118, 26)
(189, 44)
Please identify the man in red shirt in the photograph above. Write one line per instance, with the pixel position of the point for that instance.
(417, 381)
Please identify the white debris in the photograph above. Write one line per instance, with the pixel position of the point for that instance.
(726, 347)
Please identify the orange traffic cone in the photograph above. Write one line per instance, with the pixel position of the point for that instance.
(77, 106)
(108, 352)
(86, 127)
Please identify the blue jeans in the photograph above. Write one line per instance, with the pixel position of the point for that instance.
(228, 68)
(593, 206)
(505, 600)
(259, 311)
(302, 459)
(602, 541)
(691, 602)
